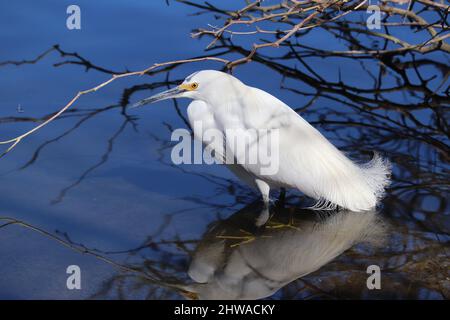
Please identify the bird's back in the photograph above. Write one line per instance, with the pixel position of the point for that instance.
(311, 163)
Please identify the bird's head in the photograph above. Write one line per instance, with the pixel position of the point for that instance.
(202, 85)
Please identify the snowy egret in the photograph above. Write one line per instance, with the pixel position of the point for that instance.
(307, 160)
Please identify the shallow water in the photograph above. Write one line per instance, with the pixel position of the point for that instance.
(96, 188)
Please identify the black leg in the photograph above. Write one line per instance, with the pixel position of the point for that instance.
(281, 197)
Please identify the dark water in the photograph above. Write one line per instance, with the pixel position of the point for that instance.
(96, 187)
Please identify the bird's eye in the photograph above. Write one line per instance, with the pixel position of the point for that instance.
(194, 85)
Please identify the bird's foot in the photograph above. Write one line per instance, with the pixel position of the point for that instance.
(240, 240)
(245, 238)
(278, 225)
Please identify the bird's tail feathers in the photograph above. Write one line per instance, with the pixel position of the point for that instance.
(377, 173)
(357, 187)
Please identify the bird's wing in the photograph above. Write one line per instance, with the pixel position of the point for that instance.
(309, 162)
(202, 121)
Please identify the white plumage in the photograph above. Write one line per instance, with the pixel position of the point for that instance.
(307, 160)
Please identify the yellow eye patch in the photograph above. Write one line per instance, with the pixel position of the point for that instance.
(189, 86)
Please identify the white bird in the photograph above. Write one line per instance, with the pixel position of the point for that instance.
(307, 161)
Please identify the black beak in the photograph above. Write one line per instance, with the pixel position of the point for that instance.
(171, 93)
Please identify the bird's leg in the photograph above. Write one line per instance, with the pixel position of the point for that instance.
(278, 225)
(264, 216)
(281, 198)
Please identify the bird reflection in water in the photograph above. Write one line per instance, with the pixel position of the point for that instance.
(237, 260)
